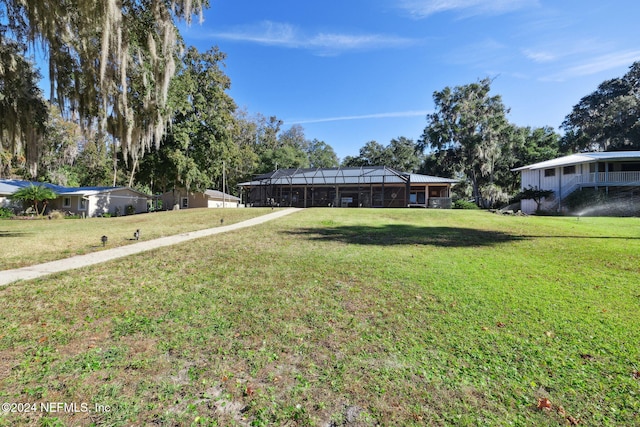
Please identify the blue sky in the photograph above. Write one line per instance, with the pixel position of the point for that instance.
(352, 71)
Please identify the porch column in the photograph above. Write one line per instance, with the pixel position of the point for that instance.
(559, 189)
(407, 192)
(305, 196)
(370, 195)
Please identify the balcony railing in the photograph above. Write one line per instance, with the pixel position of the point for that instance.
(610, 178)
(440, 202)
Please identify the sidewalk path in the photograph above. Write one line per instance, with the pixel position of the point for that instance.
(39, 270)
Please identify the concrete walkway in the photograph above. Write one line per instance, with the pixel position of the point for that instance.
(39, 270)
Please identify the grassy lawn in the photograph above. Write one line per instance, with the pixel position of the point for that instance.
(335, 317)
(28, 242)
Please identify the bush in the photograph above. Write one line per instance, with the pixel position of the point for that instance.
(130, 210)
(464, 204)
(6, 213)
(56, 215)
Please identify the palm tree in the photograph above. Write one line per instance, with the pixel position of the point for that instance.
(34, 194)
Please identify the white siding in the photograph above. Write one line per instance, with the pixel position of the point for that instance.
(108, 202)
(221, 204)
(529, 179)
(528, 206)
(536, 179)
(550, 182)
(6, 202)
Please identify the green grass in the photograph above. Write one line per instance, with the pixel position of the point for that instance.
(29, 242)
(341, 317)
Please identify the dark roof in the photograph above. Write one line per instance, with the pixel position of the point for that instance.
(342, 175)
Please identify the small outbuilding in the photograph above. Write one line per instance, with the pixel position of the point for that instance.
(199, 199)
(366, 186)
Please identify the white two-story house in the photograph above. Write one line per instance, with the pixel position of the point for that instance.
(564, 175)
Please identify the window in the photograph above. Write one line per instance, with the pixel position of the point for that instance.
(82, 204)
(185, 202)
(66, 202)
(630, 167)
(549, 172)
(417, 197)
(569, 170)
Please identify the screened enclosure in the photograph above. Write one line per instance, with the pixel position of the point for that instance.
(372, 186)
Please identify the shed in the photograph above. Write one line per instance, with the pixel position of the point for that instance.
(199, 199)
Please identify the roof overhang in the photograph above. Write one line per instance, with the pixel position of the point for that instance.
(575, 159)
(377, 175)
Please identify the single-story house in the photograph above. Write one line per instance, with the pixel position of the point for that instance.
(366, 186)
(564, 175)
(195, 199)
(87, 201)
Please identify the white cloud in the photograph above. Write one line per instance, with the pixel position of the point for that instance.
(286, 35)
(539, 55)
(425, 8)
(597, 64)
(562, 48)
(268, 32)
(363, 117)
(606, 62)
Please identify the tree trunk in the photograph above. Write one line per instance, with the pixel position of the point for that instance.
(475, 189)
(133, 173)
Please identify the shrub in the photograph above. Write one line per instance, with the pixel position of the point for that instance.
(34, 195)
(464, 204)
(56, 215)
(130, 210)
(6, 213)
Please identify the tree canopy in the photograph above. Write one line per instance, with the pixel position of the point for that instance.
(470, 132)
(23, 111)
(321, 155)
(200, 138)
(607, 119)
(110, 62)
(402, 154)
